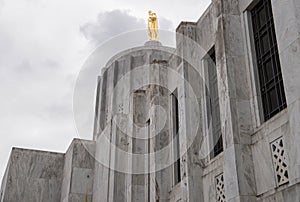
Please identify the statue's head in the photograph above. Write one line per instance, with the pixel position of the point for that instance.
(150, 12)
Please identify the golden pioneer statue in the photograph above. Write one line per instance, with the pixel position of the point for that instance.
(152, 26)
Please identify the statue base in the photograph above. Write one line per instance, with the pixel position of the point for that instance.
(153, 43)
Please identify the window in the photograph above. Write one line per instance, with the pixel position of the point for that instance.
(149, 151)
(268, 64)
(213, 106)
(176, 147)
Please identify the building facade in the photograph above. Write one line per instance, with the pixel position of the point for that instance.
(215, 119)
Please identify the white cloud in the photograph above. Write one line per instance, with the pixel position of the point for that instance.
(111, 23)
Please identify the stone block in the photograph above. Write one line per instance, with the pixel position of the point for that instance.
(290, 61)
(287, 22)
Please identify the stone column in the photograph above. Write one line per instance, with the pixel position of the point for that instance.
(159, 102)
(234, 97)
(190, 124)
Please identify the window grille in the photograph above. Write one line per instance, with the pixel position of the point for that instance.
(220, 188)
(280, 161)
(269, 69)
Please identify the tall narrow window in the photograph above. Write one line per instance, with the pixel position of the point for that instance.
(213, 107)
(149, 151)
(176, 149)
(269, 70)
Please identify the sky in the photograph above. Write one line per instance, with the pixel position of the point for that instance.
(43, 46)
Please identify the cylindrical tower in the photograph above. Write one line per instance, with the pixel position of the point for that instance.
(132, 120)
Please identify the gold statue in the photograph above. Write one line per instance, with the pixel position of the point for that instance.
(152, 26)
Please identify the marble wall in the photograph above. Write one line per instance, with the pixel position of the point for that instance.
(247, 160)
(33, 176)
(78, 172)
(122, 111)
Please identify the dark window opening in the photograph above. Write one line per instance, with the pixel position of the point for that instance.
(149, 151)
(268, 64)
(213, 106)
(175, 114)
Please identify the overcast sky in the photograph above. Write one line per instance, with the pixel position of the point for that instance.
(44, 43)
